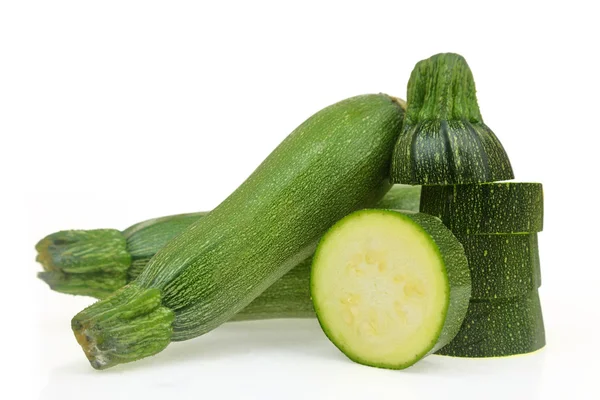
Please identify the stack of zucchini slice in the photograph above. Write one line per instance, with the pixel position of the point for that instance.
(446, 147)
(497, 224)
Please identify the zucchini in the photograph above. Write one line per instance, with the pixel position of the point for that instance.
(444, 140)
(114, 258)
(496, 328)
(334, 163)
(502, 266)
(509, 207)
(390, 288)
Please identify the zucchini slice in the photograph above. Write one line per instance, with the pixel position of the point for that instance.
(498, 328)
(507, 207)
(502, 266)
(388, 287)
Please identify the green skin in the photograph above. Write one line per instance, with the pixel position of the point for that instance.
(498, 328)
(444, 139)
(502, 266)
(101, 272)
(456, 275)
(113, 258)
(489, 208)
(334, 163)
(502, 218)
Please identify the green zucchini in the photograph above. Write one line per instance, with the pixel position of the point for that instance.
(502, 266)
(508, 207)
(444, 140)
(112, 258)
(334, 163)
(497, 328)
(390, 288)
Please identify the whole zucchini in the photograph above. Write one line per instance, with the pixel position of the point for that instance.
(336, 162)
(97, 262)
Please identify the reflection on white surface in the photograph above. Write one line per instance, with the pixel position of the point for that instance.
(282, 359)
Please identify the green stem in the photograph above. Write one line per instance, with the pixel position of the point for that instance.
(90, 262)
(129, 325)
(442, 88)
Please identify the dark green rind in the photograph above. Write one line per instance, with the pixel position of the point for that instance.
(443, 139)
(499, 328)
(144, 239)
(457, 269)
(502, 266)
(488, 208)
(457, 276)
(334, 163)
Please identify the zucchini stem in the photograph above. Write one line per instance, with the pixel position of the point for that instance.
(129, 325)
(442, 87)
(84, 262)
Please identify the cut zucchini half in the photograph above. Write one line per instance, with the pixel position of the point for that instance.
(502, 266)
(499, 328)
(508, 207)
(390, 287)
(444, 139)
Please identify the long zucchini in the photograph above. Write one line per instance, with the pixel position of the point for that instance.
(334, 163)
(443, 139)
(389, 287)
(112, 258)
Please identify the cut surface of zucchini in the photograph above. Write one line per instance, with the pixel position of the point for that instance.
(389, 287)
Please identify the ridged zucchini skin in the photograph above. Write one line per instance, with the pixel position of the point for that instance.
(502, 266)
(336, 162)
(489, 208)
(444, 140)
(138, 243)
(497, 328)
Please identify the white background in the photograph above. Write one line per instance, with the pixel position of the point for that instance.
(113, 112)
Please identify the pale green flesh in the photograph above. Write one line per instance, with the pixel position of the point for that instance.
(380, 289)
